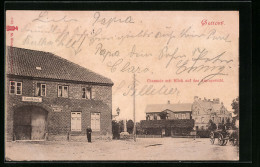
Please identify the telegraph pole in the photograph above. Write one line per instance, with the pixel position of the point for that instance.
(134, 132)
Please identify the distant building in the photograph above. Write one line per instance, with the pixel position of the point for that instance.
(168, 119)
(48, 96)
(206, 109)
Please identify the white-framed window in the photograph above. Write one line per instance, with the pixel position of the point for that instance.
(95, 121)
(75, 121)
(40, 89)
(15, 88)
(176, 116)
(63, 91)
(183, 116)
(86, 93)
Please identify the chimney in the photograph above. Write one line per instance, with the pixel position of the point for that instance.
(169, 102)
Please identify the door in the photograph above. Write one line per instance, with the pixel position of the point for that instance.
(30, 123)
(75, 121)
(95, 121)
(22, 124)
(38, 124)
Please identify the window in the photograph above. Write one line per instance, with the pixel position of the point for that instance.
(202, 119)
(86, 93)
(176, 116)
(15, 88)
(63, 91)
(155, 117)
(95, 121)
(75, 121)
(40, 89)
(183, 116)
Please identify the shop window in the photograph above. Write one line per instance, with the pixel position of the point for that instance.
(40, 89)
(95, 121)
(75, 121)
(63, 91)
(86, 93)
(15, 88)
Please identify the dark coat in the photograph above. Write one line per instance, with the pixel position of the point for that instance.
(89, 131)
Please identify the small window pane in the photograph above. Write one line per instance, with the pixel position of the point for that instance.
(19, 88)
(60, 91)
(89, 93)
(38, 91)
(18, 91)
(84, 93)
(43, 90)
(12, 87)
(65, 93)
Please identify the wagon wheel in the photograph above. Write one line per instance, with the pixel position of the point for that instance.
(225, 142)
(212, 137)
(220, 139)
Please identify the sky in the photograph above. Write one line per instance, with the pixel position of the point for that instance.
(169, 52)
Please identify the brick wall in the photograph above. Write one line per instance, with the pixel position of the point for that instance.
(60, 122)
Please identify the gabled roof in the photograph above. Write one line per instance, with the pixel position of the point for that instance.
(206, 105)
(151, 108)
(24, 62)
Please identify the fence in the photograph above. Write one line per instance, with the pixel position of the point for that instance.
(148, 136)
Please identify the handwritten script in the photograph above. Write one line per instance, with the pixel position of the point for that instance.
(129, 44)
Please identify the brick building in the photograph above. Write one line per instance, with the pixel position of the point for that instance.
(48, 97)
(206, 109)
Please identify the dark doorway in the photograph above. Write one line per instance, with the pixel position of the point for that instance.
(30, 123)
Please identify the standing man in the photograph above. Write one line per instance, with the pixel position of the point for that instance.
(89, 131)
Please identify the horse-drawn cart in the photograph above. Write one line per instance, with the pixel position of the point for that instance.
(223, 136)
